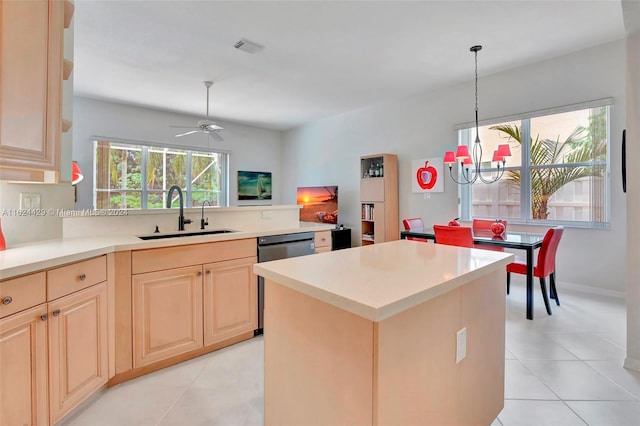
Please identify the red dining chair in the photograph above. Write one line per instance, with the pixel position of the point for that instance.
(485, 225)
(545, 266)
(453, 235)
(414, 224)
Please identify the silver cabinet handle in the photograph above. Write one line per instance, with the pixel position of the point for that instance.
(83, 277)
(7, 300)
(44, 317)
(56, 312)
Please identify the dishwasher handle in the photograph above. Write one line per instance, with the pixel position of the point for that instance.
(285, 238)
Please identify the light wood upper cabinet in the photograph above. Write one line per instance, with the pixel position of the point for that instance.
(230, 299)
(23, 365)
(77, 347)
(31, 57)
(167, 314)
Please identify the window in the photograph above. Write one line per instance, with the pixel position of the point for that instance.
(558, 171)
(132, 176)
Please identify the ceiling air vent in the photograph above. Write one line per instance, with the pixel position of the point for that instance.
(248, 46)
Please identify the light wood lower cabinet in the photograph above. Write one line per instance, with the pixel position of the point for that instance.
(230, 299)
(78, 358)
(189, 300)
(167, 314)
(322, 241)
(53, 349)
(23, 365)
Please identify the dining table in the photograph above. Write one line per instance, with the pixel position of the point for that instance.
(526, 241)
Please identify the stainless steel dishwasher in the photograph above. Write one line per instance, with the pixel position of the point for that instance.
(277, 247)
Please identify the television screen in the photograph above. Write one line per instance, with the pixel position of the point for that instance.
(254, 185)
(319, 204)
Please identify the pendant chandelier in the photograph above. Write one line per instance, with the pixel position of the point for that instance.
(470, 164)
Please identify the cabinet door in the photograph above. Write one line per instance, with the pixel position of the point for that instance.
(372, 189)
(167, 314)
(23, 367)
(31, 34)
(230, 299)
(78, 353)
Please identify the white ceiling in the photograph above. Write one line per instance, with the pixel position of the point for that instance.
(321, 57)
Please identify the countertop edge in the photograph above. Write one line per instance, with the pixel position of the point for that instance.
(63, 251)
(381, 313)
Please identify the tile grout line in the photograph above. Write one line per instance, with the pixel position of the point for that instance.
(166, 412)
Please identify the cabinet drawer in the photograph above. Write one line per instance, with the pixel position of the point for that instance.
(74, 277)
(196, 254)
(21, 293)
(322, 239)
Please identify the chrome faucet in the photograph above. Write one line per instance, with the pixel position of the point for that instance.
(181, 219)
(204, 222)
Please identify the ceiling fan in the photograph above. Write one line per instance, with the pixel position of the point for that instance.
(204, 126)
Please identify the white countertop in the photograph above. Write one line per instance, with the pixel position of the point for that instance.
(380, 280)
(47, 254)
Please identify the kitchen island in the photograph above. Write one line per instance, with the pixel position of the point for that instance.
(396, 333)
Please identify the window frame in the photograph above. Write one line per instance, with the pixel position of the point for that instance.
(145, 147)
(466, 134)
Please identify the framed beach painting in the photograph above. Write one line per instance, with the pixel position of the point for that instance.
(254, 185)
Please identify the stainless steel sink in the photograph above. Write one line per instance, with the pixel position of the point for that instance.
(185, 234)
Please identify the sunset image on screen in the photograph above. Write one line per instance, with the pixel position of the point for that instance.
(319, 204)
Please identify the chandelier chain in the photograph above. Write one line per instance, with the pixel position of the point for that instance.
(476, 57)
(471, 172)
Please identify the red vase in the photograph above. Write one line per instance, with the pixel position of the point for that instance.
(3, 244)
(498, 227)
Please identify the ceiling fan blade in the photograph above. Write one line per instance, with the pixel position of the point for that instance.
(216, 136)
(214, 127)
(187, 133)
(184, 127)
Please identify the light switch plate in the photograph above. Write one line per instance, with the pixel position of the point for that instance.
(461, 344)
(29, 200)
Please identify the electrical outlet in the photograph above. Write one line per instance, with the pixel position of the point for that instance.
(267, 214)
(29, 200)
(427, 195)
(461, 344)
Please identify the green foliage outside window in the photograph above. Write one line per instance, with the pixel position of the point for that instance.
(583, 145)
(120, 184)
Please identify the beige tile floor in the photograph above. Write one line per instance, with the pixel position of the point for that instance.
(563, 369)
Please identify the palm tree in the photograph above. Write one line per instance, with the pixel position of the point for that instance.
(581, 146)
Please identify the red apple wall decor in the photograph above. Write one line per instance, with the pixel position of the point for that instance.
(427, 176)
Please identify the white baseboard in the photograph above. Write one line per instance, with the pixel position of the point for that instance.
(590, 289)
(564, 285)
(632, 364)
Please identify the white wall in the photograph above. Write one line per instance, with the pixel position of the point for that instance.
(43, 223)
(328, 151)
(250, 148)
(633, 190)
